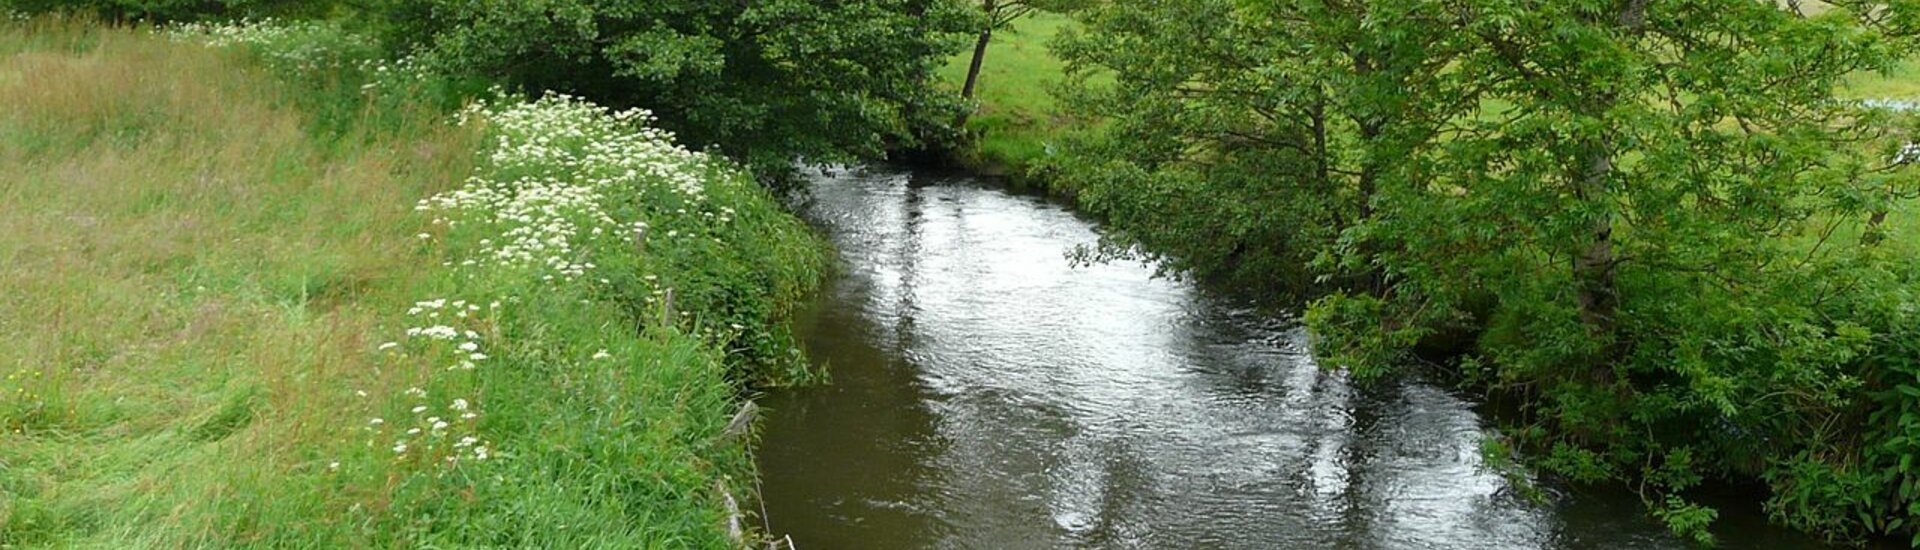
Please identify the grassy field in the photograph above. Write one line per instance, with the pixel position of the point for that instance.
(1017, 118)
(230, 321)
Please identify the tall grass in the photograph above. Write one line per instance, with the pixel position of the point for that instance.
(209, 263)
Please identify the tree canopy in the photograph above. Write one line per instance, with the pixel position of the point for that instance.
(1652, 222)
(767, 82)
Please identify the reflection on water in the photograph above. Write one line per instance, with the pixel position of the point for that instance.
(986, 394)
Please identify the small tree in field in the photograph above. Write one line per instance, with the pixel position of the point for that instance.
(999, 14)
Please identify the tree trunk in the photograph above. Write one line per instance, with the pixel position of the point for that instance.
(1593, 269)
(973, 72)
(987, 7)
(1873, 235)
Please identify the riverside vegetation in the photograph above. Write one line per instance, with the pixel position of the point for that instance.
(274, 295)
(1664, 232)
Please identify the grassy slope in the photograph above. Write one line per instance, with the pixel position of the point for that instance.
(196, 284)
(1017, 117)
(190, 280)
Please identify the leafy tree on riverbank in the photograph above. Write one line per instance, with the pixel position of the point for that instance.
(1650, 221)
(998, 15)
(766, 82)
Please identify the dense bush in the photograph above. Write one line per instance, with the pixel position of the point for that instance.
(1649, 220)
(765, 82)
(166, 11)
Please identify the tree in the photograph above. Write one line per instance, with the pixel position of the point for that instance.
(998, 15)
(767, 82)
(1647, 198)
(1242, 138)
(1630, 216)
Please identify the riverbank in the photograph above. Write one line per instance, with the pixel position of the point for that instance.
(1225, 170)
(272, 294)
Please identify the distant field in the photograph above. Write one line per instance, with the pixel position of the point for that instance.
(1903, 83)
(1017, 117)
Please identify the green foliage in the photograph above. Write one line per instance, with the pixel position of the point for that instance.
(166, 11)
(1371, 341)
(764, 82)
(1687, 519)
(1652, 221)
(1247, 120)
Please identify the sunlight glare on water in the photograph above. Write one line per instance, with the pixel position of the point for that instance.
(988, 394)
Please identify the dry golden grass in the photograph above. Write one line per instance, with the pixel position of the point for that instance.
(190, 285)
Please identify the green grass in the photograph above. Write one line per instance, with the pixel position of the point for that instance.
(203, 257)
(1017, 117)
(1902, 83)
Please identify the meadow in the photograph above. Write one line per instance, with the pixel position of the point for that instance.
(1016, 117)
(264, 288)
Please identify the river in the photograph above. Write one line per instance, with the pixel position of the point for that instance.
(988, 394)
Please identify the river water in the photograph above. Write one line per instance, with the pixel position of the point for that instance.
(988, 394)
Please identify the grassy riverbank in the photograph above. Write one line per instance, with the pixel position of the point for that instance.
(272, 295)
(1017, 120)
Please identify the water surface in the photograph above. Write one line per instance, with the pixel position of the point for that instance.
(988, 394)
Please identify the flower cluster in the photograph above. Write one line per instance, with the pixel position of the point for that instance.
(444, 433)
(24, 396)
(395, 74)
(459, 348)
(561, 181)
(565, 156)
(297, 46)
(1896, 105)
